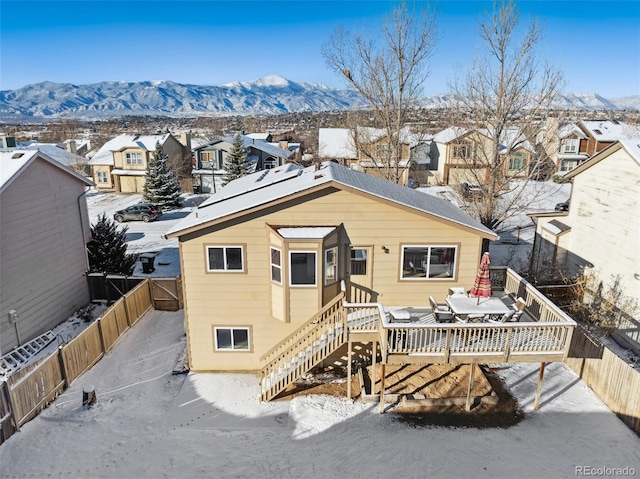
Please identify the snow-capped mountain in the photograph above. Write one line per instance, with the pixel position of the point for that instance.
(269, 95)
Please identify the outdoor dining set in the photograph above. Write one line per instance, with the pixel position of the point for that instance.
(462, 308)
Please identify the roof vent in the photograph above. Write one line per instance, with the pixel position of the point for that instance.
(261, 177)
(17, 155)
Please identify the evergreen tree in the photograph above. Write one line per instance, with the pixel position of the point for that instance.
(236, 165)
(108, 248)
(160, 187)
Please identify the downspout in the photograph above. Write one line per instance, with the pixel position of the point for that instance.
(82, 225)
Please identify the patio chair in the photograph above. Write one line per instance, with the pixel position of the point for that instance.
(441, 312)
(507, 317)
(520, 304)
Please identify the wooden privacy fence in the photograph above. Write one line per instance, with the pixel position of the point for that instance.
(166, 293)
(609, 376)
(24, 394)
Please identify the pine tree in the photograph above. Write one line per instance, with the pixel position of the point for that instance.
(108, 248)
(160, 187)
(236, 165)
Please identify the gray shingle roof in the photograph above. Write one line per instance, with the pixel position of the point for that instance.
(263, 187)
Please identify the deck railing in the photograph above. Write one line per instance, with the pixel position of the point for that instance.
(303, 349)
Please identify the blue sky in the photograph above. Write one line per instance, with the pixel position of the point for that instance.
(206, 42)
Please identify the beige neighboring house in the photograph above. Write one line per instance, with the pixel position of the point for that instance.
(601, 229)
(44, 229)
(121, 163)
(460, 155)
(269, 251)
(368, 151)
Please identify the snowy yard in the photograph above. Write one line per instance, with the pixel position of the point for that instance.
(150, 423)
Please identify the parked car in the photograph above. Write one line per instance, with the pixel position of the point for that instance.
(564, 206)
(142, 212)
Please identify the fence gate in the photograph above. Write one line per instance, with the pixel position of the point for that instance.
(166, 293)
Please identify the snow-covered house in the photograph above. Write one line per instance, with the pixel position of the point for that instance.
(209, 159)
(461, 155)
(61, 154)
(120, 164)
(368, 150)
(571, 144)
(269, 250)
(44, 229)
(601, 229)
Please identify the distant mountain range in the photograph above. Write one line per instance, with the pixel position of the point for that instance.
(269, 95)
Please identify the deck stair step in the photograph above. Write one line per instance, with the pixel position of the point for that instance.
(18, 357)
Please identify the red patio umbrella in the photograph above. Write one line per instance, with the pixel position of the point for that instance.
(482, 284)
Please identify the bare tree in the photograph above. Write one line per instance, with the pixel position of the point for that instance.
(388, 68)
(503, 99)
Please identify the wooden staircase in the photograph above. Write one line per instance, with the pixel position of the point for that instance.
(303, 349)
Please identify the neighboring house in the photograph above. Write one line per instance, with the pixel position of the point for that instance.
(59, 153)
(269, 250)
(121, 163)
(460, 155)
(210, 159)
(571, 144)
(44, 229)
(368, 151)
(601, 229)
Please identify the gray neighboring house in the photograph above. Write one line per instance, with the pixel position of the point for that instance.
(210, 159)
(44, 229)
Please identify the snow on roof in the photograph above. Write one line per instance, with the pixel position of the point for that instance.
(264, 187)
(54, 151)
(608, 130)
(13, 161)
(571, 129)
(258, 136)
(335, 143)
(104, 156)
(449, 134)
(556, 227)
(117, 171)
(307, 232)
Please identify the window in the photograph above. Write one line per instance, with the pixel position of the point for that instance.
(383, 151)
(428, 262)
(270, 163)
(207, 159)
(517, 161)
(133, 158)
(231, 339)
(224, 258)
(276, 265)
(302, 268)
(570, 146)
(102, 177)
(331, 265)
(359, 261)
(462, 151)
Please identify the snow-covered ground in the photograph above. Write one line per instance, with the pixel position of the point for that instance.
(149, 423)
(146, 237)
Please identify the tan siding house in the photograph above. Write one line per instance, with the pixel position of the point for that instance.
(601, 230)
(121, 163)
(264, 254)
(44, 228)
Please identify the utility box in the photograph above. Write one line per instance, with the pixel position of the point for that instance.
(147, 263)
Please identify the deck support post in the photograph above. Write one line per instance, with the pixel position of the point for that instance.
(536, 405)
(383, 365)
(349, 360)
(374, 354)
(467, 406)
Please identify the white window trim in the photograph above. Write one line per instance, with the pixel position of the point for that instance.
(232, 349)
(570, 145)
(130, 156)
(225, 270)
(315, 283)
(326, 265)
(102, 177)
(430, 246)
(279, 266)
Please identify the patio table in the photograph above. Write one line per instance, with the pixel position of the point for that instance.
(474, 307)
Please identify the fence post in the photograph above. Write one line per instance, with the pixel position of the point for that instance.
(100, 333)
(63, 369)
(16, 421)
